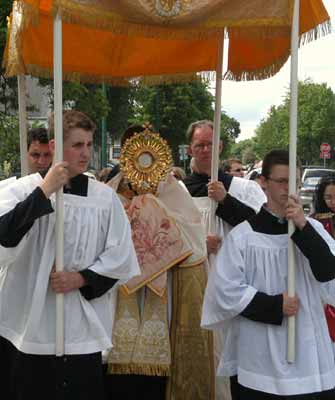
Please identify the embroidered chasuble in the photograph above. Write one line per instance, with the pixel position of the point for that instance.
(157, 325)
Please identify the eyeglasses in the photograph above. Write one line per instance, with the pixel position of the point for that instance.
(237, 170)
(283, 181)
(201, 146)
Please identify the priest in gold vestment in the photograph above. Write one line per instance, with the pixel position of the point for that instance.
(159, 350)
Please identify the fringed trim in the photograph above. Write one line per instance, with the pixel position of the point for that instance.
(98, 18)
(13, 62)
(257, 74)
(139, 369)
(29, 13)
(14, 68)
(263, 25)
(155, 80)
(258, 31)
(319, 31)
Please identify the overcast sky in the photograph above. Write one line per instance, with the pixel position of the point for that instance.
(249, 102)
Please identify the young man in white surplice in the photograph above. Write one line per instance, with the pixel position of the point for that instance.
(237, 199)
(98, 256)
(248, 291)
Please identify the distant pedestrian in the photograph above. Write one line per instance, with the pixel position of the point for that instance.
(39, 152)
(234, 167)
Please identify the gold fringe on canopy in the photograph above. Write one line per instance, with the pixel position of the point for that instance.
(136, 19)
(177, 19)
(116, 42)
(257, 74)
(248, 61)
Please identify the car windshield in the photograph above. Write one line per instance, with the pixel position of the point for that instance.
(311, 182)
(317, 173)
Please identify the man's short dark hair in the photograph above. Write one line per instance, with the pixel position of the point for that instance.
(72, 119)
(130, 131)
(227, 164)
(197, 124)
(37, 135)
(275, 157)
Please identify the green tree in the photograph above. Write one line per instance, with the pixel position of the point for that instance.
(244, 151)
(171, 108)
(87, 98)
(10, 142)
(230, 130)
(121, 114)
(316, 123)
(272, 131)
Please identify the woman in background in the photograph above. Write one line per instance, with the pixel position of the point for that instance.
(324, 206)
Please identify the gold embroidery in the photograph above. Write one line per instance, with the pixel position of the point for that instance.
(141, 347)
(192, 369)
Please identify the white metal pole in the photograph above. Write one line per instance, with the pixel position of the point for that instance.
(58, 116)
(21, 84)
(216, 134)
(293, 170)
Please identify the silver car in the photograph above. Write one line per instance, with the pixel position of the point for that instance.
(307, 191)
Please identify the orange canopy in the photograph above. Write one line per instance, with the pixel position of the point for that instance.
(114, 41)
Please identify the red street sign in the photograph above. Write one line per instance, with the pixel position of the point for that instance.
(325, 155)
(325, 147)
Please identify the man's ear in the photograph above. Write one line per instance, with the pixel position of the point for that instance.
(52, 145)
(189, 150)
(263, 181)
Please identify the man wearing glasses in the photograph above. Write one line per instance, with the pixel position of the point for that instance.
(237, 199)
(248, 291)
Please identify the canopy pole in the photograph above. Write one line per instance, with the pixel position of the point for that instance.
(293, 170)
(21, 84)
(216, 133)
(58, 157)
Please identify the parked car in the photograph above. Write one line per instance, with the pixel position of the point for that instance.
(307, 191)
(314, 172)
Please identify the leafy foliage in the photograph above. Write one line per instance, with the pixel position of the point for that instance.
(244, 151)
(10, 142)
(316, 123)
(171, 108)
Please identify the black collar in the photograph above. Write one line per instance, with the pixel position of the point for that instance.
(197, 183)
(266, 222)
(78, 185)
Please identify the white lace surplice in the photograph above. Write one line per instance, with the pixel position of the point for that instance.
(249, 262)
(249, 193)
(97, 236)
